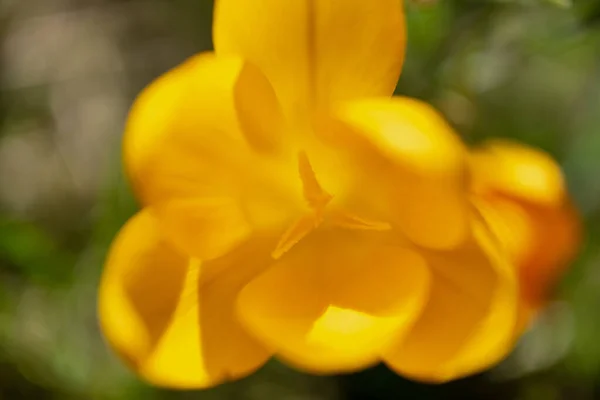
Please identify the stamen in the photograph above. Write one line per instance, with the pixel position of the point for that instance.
(295, 233)
(347, 220)
(314, 194)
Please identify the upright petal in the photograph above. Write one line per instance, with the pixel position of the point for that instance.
(171, 324)
(335, 300)
(407, 163)
(468, 323)
(316, 52)
(210, 154)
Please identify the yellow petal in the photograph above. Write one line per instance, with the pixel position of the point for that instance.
(335, 300)
(160, 314)
(468, 323)
(409, 162)
(208, 226)
(315, 52)
(522, 194)
(205, 166)
(541, 242)
(501, 166)
(152, 115)
(510, 222)
(218, 93)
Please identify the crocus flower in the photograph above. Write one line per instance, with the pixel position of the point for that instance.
(292, 208)
(522, 194)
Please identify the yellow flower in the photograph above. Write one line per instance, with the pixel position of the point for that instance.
(292, 208)
(522, 195)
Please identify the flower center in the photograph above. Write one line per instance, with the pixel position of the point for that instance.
(318, 200)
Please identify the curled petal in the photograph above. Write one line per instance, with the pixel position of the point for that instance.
(508, 168)
(210, 154)
(541, 242)
(171, 325)
(408, 164)
(315, 52)
(468, 323)
(335, 300)
(152, 116)
(215, 93)
(523, 197)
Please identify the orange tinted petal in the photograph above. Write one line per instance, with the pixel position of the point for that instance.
(542, 241)
(521, 193)
(559, 236)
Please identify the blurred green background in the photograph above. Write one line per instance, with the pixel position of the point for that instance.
(69, 69)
